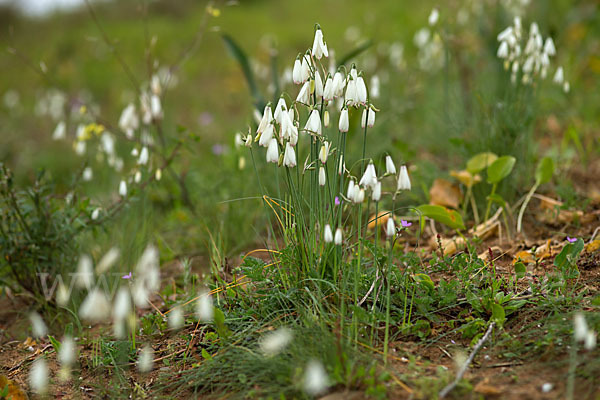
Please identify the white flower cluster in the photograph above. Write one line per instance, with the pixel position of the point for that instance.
(278, 130)
(429, 43)
(532, 59)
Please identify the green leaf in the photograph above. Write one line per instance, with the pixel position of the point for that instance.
(222, 329)
(544, 171)
(497, 199)
(500, 169)
(55, 343)
(520, 270)
(480, 161)
(450, 218)
(569, 255)
(425, 280)
(240, 56)
(498, 314)
(206, 355)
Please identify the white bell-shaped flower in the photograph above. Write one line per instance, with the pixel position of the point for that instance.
(319, 48)
(344, 123)
(272, 151)
(390, 167)
(289, 157)
(403, 179)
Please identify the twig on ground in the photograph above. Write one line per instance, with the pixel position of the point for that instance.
(444, 392)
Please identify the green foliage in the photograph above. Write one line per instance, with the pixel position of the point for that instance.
(500, 169)
(480, 161)
(38, 232)
(450, 218)
(544, 171)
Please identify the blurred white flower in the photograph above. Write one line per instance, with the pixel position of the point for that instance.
(95, 214)
(433, 17)
(84, 278)
(375, 86)
(108, 260)
(122, 188)
(316, 380)
(580, 327)
(327, 234)
(146, 359)
(589, 342)
(122, 304)
(60, 132)
(204, 307)
(37, 325)
(95, 306)
(67, 351)
(87, 174)
(337, 240)
(559, 76)
(275, 342)
(62, 294)
(144, 156)
(176, 318)
(38, 376)
(129, 121)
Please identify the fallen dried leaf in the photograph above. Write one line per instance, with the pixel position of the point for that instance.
(381, 220)
(445, 193)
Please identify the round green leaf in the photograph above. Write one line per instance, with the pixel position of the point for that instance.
(544, 171)
(500, 169)
(480, 161)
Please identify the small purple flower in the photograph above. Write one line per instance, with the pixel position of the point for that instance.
(128, 276)
(571, 240)
(405, 224)
(206, 118)
(337, 201)
(218, 149)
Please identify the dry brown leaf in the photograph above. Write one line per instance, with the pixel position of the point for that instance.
(465, 177)
(524, 256)
(486, 389)
(14, 391)
(593, 246)
(445, 193)
(553, 213)
(381, 220)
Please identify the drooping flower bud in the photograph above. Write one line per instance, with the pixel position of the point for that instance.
(328, 234)
(403, 179)
(344, 122)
